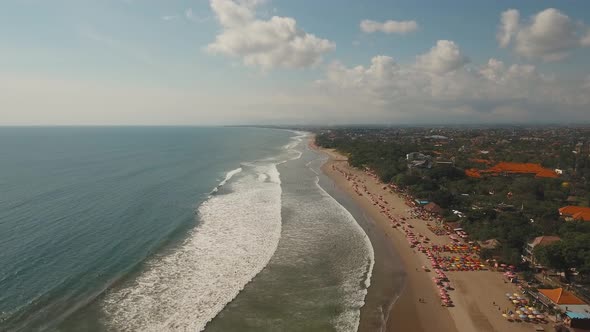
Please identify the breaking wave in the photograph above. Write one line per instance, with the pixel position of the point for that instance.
(185, 289)
(228, 176)
(349, 320)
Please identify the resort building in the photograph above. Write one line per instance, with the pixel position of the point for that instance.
(537, 242)
(577, 320)
(508, 168)
(433, 208)
(576, 312)
(575, 213)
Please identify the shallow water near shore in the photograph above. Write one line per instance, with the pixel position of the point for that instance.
(388, 278)
(163, 229)
(317, 278)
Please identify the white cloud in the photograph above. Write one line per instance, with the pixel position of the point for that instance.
(549, 34)
(586, 39)
(188, 14)
(444, 57)
(389, 26)
(492, 92)
(276, 42)
(508, 26)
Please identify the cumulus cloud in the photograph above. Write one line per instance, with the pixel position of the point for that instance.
(508, 26)
(586, 39)
(389, 26)
(444, 57)
(549, 34)
(272, 43)
(493, 91)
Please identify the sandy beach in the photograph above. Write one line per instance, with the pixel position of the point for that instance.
(478, 296)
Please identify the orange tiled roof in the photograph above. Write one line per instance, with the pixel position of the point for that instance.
(561, 296)
(515, 168)
(576, 212)
(547, 173)
(481, 161)
(472, 173)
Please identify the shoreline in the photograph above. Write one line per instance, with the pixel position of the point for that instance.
(404, 312)
(478, 296)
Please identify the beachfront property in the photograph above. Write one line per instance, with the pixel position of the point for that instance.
(575, 213)
(577, 320)
(418, 160)
(511, 168)
(433, 208)
(576, 312)
(539, 241)
(511, 195)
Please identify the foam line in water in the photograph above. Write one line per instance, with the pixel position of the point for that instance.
(349, 320)
(185, 289)
(228, 176)
(290, 147)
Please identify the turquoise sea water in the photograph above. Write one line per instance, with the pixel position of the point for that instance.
(158, 229)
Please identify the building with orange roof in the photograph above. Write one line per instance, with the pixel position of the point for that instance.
(473, 173)
(507, 168)
(560, 296)
(577, 312)
(572, 212)
(480, 161)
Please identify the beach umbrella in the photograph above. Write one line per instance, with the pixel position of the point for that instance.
(518, 312)
(515, 301)
(536, 312)
(504, 315)
(522, 316)
(531, 316)
(508, 295)
(540, 316)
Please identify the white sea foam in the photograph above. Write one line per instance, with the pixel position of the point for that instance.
(185, 289)
(228, 176)
(293, 153)
(349, 320)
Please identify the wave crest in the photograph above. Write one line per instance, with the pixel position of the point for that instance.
(184, 290)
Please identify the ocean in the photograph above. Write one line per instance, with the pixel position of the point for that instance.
(173, 229)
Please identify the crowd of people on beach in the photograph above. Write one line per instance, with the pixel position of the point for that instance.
(436, 254)
(456, 255)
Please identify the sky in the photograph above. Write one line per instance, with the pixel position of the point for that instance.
(271, 62)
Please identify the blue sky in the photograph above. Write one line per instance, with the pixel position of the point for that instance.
(181, 62)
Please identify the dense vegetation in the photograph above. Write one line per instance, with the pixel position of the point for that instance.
(511, 209)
